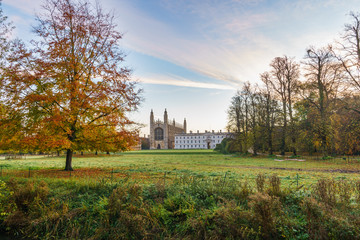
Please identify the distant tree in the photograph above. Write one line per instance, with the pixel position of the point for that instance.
(5, 29)
(271, 111)
(71, 87)
(255, 112)
(347, 52)
(247, 116)
(284, 80)
(323, 76)
(9, 119)
(239, 118)
(145, 143)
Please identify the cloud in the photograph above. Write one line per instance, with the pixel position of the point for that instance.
(228, 40)
(217, 51)
(26, 6)
(179, 81)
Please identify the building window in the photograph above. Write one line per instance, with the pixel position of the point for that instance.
(159, 134)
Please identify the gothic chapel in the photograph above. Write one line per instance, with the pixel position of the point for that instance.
(162, 133)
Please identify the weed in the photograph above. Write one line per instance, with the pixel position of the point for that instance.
(325, 191)
(274, 185)
(344, 189)
(260, 182)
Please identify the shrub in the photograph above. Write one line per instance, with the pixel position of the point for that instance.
(6, 207)
(229, 221)
(314, 214)
(325, 191)
(265, 208)
(357, 190)
(127, 217)
(344, 189)
(329, 223)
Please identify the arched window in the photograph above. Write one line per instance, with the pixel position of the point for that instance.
(159, 134)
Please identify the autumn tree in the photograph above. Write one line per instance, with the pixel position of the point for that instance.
(323, 76)
(9, 120)
(71, 85)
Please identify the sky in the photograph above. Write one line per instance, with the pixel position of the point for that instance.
(191, 56)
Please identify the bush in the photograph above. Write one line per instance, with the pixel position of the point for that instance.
(265, 208)
(325, 191)
(127, 216)
(229, 221)
(6, 207)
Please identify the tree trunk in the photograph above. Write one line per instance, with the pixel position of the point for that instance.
(68, 166)
(270, 145)
(283, 137)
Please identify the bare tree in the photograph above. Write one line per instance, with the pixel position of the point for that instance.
(323, 75)
(284, 79)
(271, 110)
(239, 117)
(348, 53)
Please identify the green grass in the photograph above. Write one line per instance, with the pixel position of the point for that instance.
(200, 163)
(177, 194)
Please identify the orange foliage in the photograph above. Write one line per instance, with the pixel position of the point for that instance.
(70, 88)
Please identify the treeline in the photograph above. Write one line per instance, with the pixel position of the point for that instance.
(308, 106)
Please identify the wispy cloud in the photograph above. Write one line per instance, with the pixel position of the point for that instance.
(228, 40)
(182, 82)
(229, 52)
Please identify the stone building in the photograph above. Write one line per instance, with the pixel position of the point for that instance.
(162, 133)
(207, 140)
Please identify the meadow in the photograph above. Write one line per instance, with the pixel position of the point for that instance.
(187, 194)
(150, 165)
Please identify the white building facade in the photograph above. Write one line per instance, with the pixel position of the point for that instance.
(207, 140)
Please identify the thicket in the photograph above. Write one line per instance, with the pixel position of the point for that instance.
(188, 208)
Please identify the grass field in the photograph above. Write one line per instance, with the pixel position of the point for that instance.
(151, 165)
(178, 194)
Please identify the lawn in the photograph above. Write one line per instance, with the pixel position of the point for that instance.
(179, 194)
(151, 165)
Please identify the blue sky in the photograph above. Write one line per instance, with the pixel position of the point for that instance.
(190, 56)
